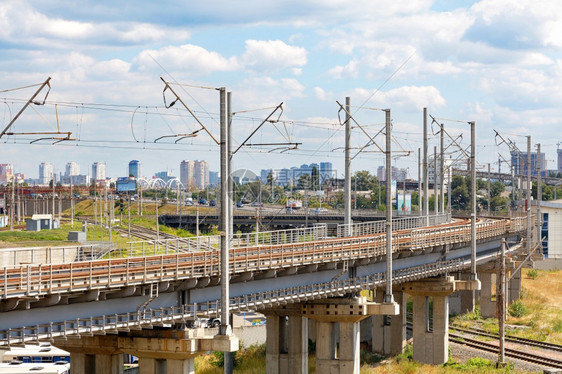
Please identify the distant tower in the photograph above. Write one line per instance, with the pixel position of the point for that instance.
(6, 173)
(559, 151)
(46, 173)
(187, 170)
(201, 171)
(98, 171)
(72, 168)
(135, 169)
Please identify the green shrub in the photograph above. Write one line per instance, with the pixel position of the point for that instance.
(517, 309)
(532, 273)
(557, 326)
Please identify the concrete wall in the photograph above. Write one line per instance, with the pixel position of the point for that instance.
(549, 264)
(250, 335)
(30, 256)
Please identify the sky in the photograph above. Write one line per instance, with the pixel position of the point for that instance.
(495, 62)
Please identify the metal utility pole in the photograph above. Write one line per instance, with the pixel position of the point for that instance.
(501, 306)
(388, 298)
(71, 204)
(449, 188)
(129, 217)
(12, 206)
(347, 187)
(229, 148)
(473, 275)
(419, 181)
(53, 200)
(225, 328)
(425, 170)
(538, 219)
(528, 203)
(442, 170)
(489, 186)
(435, 192)
(157, 224)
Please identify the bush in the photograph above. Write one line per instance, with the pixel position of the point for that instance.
(557, 326)
(517, 309)
(532, 273)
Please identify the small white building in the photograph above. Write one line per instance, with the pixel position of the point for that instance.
(552, 228)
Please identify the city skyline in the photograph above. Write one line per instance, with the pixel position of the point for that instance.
(482, 61)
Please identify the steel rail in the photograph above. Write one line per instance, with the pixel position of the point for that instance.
(525, 356)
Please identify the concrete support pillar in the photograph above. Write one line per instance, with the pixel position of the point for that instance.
(349, 352)
(286, 342)
(298, 344)
(272, 344)
(461, 302)
(337, 356)
(159, 351)
(487, 306)
(325, 349)
(110, 364)
(338, 331)
(431, 346)
(83, 363)
(514, 292)
(388, 333)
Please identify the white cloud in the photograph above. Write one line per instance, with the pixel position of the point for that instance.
(272, 56)
(191, 59)
(322, 95)
(25, 25)
(405, 99)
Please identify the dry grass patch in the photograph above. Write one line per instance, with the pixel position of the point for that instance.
(541, 296)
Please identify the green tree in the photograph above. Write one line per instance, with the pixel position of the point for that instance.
(460, 196)
(496, 188)
(304, 182)
(315, 179)
(364, 181)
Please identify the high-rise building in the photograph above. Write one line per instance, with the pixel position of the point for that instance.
(6, 173)
(72, 168)
(326, 171)
(213, 178)
(194, 174)
(135, 169)
(519, 163)
(46, 173)
(98, 171)
(559, 151)
(186, 174)
(201, 173)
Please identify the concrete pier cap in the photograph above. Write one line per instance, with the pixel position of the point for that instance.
(440, 286)
(347, 309)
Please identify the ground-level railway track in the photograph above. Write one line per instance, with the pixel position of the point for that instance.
(511, 353)
(511, 338)
(526, 356)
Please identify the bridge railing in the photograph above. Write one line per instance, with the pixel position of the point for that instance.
(304, 234)
(48, 255)
(31, 281)
(212, 242)
(167, 316)
(377, 227)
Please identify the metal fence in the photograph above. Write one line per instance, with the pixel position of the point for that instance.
(377, 227)
(212, 242)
